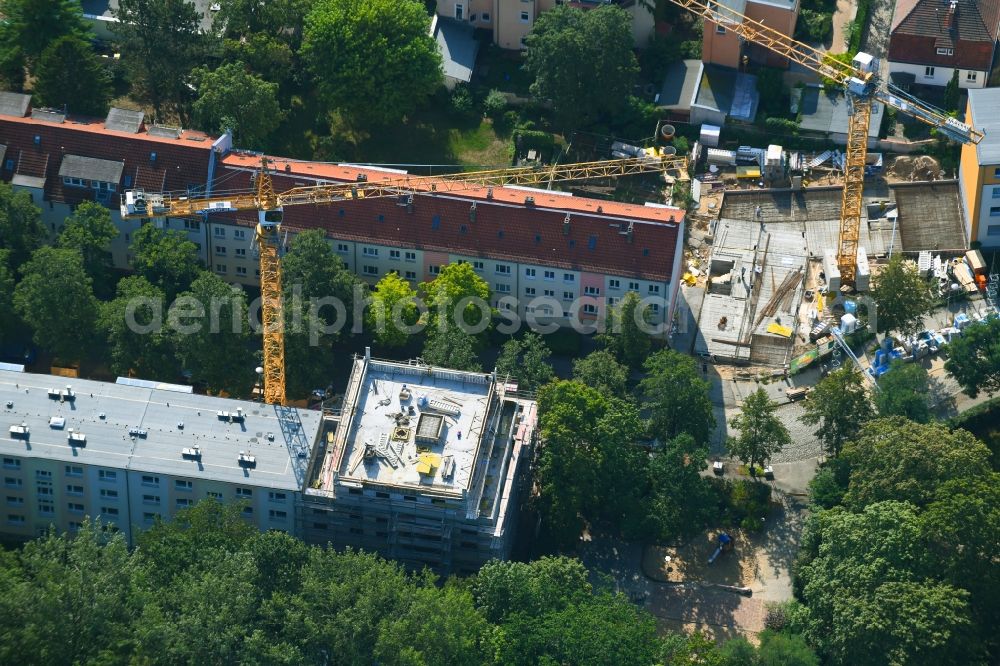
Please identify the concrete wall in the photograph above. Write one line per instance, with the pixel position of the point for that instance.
(941, 75)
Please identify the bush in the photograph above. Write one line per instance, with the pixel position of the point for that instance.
(691, 49)
(494, 104)
(814, 26)
(681, 144)
(525, 140)
(857, 26)
(781, 125)
(462, 104)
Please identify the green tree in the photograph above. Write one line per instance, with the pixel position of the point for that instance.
(161, 42)
(451, 348)
(232, 98)
(56, 299)
(266, 56)
(501, 589)
(676, 397)
(30, 26)
(133, 323)
(951, 93)
(903, 392)
(374, 60)
(583, 62)
(213, 334)
(21, 228)
(527, 360)
(897, 459)
(784, 649)
(680, 499)
(840, 406)
(762, 434)
(589, 467)
(6, 296)
(457, 285)
(695, 649)
(902, 297)
(602, 370)
(974, 358)
(89, 231)
(70, 73)
(278, 18)
(628, 336)
(165, 258)
(393, 308)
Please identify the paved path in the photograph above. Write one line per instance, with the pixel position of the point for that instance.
(846, 11)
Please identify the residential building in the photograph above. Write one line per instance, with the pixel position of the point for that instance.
(510, 21)
(929, 40)
(723, 47)
(135, 451)
(827, 113)
(542, 236)
(979, 169)
(100, 14)
(425, 466)
(458, 47)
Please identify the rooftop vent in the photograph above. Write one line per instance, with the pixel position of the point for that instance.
(192, 453)
(529, 201)
(362, 178)
(19, 431)
(232, 417)
(472, 212)
(76, 438)
(247, 460)
(489, 192)
(136, 432)
(152, 157)
(288, 168)
(57, 422)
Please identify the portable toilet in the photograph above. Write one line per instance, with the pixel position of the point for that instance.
(848, 323)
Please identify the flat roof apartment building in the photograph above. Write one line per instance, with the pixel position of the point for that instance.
(979, 169)
(526, 243)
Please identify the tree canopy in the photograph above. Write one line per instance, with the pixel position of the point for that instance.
(232, 98)
(21, 228)
(374, 60)
(134, 325)
(451, 348)
(974, 358)
(392, 311)
(839, 405)
(30, 26)
(458, 285)
(677, 397)
(903, 392)
(89, 231)
(602, 370)
(56, 299)
(582, 61)
(901, 296)
(526, 360)
(627, 337)
(166, 258)
(761, 432)
(70, 73)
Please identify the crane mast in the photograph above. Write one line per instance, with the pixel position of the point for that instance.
(270, 206)
(862, 86)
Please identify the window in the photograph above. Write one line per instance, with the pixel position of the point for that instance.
(15, 501)
(434, 270)
(43, 474)
(394, 255)
(73, 470)
(524, 17)
(590, 309)
(994, 211)
(996, 172)
(220, 250)
(945, 52)
(150, 499)
(109, 494)
(477, 265)
(993, 230)
(411, 275)
(276, 497)
(244, 493)
(654, 308)
(550, 275)
(192, 225)
(502, 269)
(109, 510)
(107, 475)
(529, 273)
(529, 291)
(381, 495)
(473, 17)
(75, 182)
(550, 292)
(151, 481)
(44, 490)
(11, 482)
(436, 222)
(183, 503)
(928, 72)
(277, 515)
(410, 256)
(719, 29)
(342, 248)
(971, 76)
(213, 495)
(567, 295)
(75, 508)
(220, 232)
(220, 269)
(248, 511)
(569, 277)
(371, 270)
(241, 270)
(12, 463)
(592, 291)
(241, 252)
(459, 12)
(633, 286)
(654, 289)
(501, 288)
(14, 519)
(149, 517)
(74, 525)
(614, 284)
(74, 490)
(370, 251)
(485, 17)
(180, 484)
(996, 192)
(239, 234)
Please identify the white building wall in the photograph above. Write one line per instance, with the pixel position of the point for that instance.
(989, 216)
(941, 75)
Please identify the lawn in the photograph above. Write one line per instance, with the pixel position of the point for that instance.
(432, 137)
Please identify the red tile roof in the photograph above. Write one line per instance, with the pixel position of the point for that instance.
(920, 27)
(504, 226)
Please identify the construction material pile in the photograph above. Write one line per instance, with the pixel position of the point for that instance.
(919, 167)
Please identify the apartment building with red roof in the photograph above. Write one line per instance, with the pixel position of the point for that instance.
(548, 254)
(929, 40)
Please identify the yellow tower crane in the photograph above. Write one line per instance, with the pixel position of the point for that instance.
(270, 205)
(863, 87)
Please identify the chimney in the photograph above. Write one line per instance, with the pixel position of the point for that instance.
(529, 201)
(489, 192)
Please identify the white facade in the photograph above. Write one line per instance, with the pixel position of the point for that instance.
(936, 75)
(989, 216)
